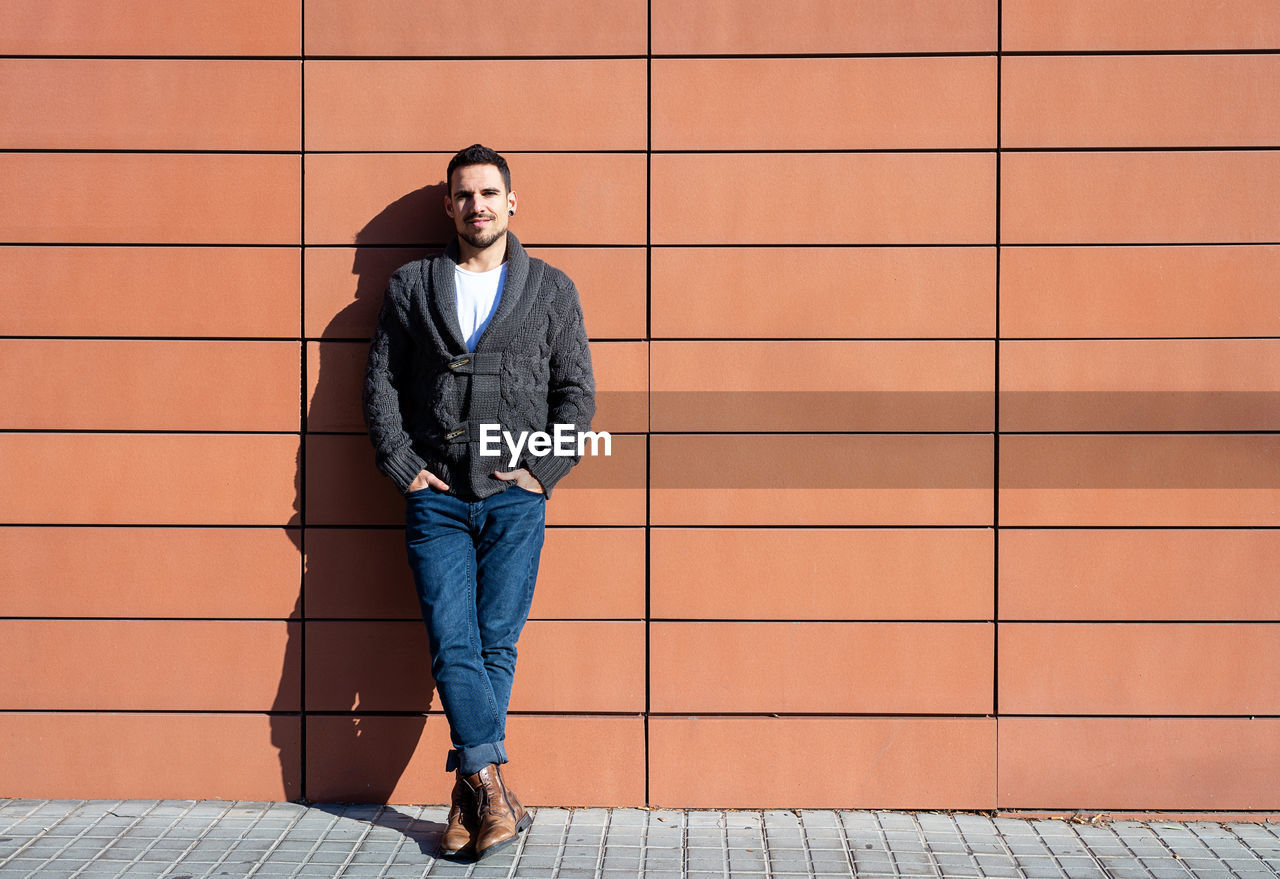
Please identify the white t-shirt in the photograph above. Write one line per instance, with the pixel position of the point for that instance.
(478, 296)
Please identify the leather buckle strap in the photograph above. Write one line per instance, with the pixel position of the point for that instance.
(483, 363)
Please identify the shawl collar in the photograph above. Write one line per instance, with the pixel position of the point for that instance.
(445, 296)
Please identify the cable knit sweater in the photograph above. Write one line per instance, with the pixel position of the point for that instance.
(425, 395)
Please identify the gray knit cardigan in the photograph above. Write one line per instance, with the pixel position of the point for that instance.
(425, 396)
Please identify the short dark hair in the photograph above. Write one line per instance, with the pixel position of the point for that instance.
(476, 154)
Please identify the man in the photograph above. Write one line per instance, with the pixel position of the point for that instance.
(482, 335)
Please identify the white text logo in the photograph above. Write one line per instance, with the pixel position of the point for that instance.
(563, 442)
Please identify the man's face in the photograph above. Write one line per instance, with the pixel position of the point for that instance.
(478, 202)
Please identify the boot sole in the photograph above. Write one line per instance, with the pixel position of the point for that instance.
(463, 853)
(521, 826)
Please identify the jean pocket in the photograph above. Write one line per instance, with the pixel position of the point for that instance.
(527, 491)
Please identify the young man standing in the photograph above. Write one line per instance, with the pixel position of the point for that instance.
(479, 336)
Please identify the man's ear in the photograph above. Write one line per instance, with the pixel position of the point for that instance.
(448, 205)
(511, 201)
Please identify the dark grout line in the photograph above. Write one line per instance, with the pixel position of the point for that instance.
(757, 245)
(648, 451)
(995, 443)
(639, 715)
(658, 56)
(302, 415)
(976, 149)
(609, 340)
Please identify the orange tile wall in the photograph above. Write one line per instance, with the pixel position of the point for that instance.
(939, 341)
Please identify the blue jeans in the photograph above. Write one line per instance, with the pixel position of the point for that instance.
(474, 564)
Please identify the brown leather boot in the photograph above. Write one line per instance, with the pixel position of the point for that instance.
(501, 816)
(459, 833)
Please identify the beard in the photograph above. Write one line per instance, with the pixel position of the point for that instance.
(482, 238)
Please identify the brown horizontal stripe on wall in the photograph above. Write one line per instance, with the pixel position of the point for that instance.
(152, 756)
(149, 291)
(150, 572)
(621, 372)
(1140, 385)
(830, 574)
(151, 104)
(1147, 479)
(585, 573)
(909, 668)
(564, 666)
(344, 486)
(1127, 101)
(532, 27)
(848, 292)
(1099, 25)
(396, 198)
(824, 103)
(819, 385)
(149, 479)
(335, 374)
(817, 762)
(1189, 290)
(126, 198)
(152, 27)
(1104, 763)
(821, 479)
(177, 665)
(1139, 575)
(100, 384)
(594, 104)
(727, 27)
(555, 760)
(1140, 197)
(857, 198)
(1139, 668)
(345, 287)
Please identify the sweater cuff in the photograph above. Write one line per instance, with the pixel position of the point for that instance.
(403, 466)
(548, 469)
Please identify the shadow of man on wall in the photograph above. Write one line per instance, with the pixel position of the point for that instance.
(365, 673)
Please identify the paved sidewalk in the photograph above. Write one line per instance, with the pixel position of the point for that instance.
(185, 840)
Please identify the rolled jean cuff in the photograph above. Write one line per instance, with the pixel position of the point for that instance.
(472, 760)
